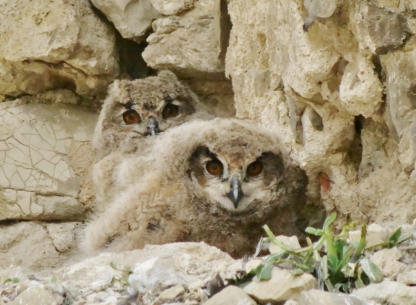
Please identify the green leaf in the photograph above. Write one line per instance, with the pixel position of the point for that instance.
(394, 238)
(113, 266)
(313, 231)
(265, 273)
(371, 270)
(345, 259)
(361, 245)
(329, 220)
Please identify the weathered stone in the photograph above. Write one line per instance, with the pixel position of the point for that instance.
(172, 7)
(377, 29)
(399, 67)
(376, 234)
(408, 277)
(38, 295)
(388, 292)
(291, 242)
(59, 44)
(132, 18)
(150, 272)
(171, 293)
(192, 44)
(282, 286)
(231, 295)
(29, 244)
(218, 95)
(319, 297)
(62, 235)
(39, 178)
(360, 90)
(388, 262)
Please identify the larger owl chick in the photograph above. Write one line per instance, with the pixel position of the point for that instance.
(133, 113)
(216, 181)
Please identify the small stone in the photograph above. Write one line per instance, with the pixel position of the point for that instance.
(388, 261)
(319, 297)
(388, 292)
(408, 277)
(376, 234)
(231, 295)
(282, 286)
(171, 293)
(37, 295)
(291, 242)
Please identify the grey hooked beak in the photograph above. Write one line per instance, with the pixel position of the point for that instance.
(152, 127)
(235, 194)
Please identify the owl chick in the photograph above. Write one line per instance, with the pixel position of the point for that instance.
(136, 109)
(216, 181)
(133, 112)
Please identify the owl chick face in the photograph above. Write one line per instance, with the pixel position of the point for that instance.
(237, 182)
(136, 110)
(145, 115)
(142, 118)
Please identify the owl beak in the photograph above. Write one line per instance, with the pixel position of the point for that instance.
(152, 127)
(235, 194)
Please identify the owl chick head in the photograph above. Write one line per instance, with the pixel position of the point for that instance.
(141, 108)
(236, 168)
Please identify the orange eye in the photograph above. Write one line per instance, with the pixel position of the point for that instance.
(254, 168)
(131, 116)
(170, 111)
(214, 167)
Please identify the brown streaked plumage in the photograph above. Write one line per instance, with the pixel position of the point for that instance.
(216, 181)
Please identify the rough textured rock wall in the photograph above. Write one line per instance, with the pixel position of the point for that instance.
(335, 79)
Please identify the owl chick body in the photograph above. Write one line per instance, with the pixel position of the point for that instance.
(216, 181)
(132, 114)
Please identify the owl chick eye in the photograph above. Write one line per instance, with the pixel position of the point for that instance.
(131, 116)
(254, 169)
(214, 167)
(170, 111)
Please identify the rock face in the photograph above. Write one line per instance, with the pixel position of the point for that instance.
(314, 71)
(192, 44)
(132, 18)
(45, 154)
(59, 44)
(138, 276)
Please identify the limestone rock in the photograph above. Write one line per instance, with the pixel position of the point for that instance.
(218, 95)
(192, 44)
(291, 242)
(231, 295)
(319, 297)
(408, 277)
(149, 273)
(375, 28)
(388, 262)
(38, 178)
(132, 18)
(376, 234)
(58, 44)
(388, 292)
(37, 295)
(29, 244)
(399, 67)
(282, 286)
(360, 90)
(172, 7)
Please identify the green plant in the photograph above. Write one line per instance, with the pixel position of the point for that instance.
(338, 264)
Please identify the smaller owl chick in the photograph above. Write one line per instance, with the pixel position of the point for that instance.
(216, 181)
(137, 109)
(133, 113)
